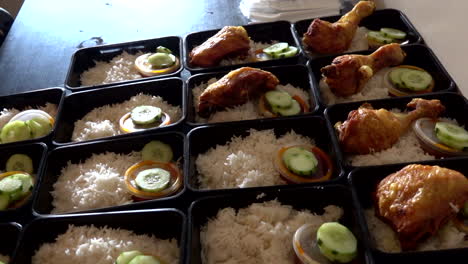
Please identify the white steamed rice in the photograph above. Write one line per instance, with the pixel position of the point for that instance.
(247, 111)
(4, 259)
(386, 239)
(104, 121)
(90, 245)
(245, 162)
(260, 233)
(120, 68)
(7, 114)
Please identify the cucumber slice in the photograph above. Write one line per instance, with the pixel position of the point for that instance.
(10, 185)
(416, 80)
(451, 135)
(276, 48)
(20, 162)
(161, 60)
(26, 186)
(39, 127)
(4, 201)
(145, 114)
(143, 259)
(126, 257)
(157, 151)
(294, 109)
(395, 77)
(378, 37)
(162, 49)
(278, 99)
(153, 180)
(300, 161)
(289, 52)
(15, 131)
(336, 242)
(393, 33)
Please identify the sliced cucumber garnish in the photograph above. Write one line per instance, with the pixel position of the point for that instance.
(378, 37)
(336, 242)
(451, 135)
(278, 99)
(395, 77)
(39, 127)
(145, 114)
(153, 180)
(20, 162)
(300, 161)
(10, 185)
(393, 33)
(15, 131)
(416, 80)
(289, 52)
(127, 256)
(162, 49)
(26, 186)
(276, 48)
(4, 201)
(294, 109)
(161, 60)
(157, 151)
(143, 259)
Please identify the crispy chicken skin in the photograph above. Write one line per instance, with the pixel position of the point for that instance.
(327, 38)
(229, 41)
(348, 74)
(367, 129)
(416, 200)
(236, 88)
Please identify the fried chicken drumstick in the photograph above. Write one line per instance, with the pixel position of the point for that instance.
(348, 74)
(368, 129)
(417, 201)
(236, 88)
(229, 41)
(327, 38)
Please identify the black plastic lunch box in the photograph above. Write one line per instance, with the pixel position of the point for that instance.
(161, 223)
(10, 233)
(456, 107)
(32, 99)
(296, 75)
(201, 139)
(313, 199)
(86, 58)
(390, 18)
(77, 105)
(37, 152)
(416, 55)
(279, 31)
(363, 184)
(61, 156)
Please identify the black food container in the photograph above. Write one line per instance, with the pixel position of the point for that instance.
(364, 182)
(10, 238)
(296, 75)
(60, 157)
(455, 108)
(279, 31)
(32, 100)
(161, 223)
(201, 139)
(416, 55)
(84, 59)
(37, 152)
(389, 18)
(78, 104)
(313, 199)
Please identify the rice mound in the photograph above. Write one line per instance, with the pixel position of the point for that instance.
(247, 111)
(120, 68)
(95, 183)
(375, 88)
(90, 245)
(4, 259)
(386, 239)
(104, 121)
(260, 233)
(7, 114)
(245, 162)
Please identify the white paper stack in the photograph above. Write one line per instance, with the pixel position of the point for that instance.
(291, 10)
